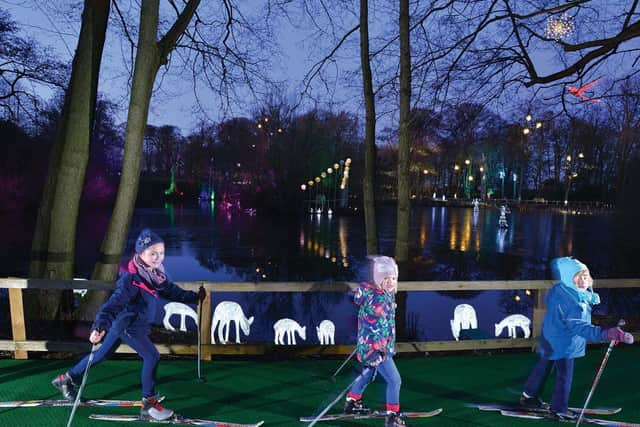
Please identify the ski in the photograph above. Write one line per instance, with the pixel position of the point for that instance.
(64, 402)
(585, 420)
(517, 407)
(370, 415)
(176, 420)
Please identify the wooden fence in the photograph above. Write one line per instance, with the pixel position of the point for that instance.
(20, 345)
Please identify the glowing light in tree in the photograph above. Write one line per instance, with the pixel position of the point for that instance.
(559, 27)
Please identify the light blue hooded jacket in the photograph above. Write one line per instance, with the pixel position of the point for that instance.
(567, 323)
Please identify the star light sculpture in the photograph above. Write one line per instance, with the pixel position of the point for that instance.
(559, 27)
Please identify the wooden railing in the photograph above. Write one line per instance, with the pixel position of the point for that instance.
(20, 345)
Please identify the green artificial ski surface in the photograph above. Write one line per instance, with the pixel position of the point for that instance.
(280, 392)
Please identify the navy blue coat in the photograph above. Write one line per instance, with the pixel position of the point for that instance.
(134, 302)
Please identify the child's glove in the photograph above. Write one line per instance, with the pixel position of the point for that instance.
(376, 360)
(617, 334)
(96, 335)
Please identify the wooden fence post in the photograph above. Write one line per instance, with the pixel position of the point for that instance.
(205, 327)
(18, 329)
(539, 309)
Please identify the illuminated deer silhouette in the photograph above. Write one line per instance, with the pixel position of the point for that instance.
(225, 313)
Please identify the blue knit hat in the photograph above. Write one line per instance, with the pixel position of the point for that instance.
(565, 268)
(146, 239)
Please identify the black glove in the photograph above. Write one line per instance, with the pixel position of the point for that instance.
(202, 293)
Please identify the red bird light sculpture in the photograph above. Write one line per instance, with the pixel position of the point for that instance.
(579, 92)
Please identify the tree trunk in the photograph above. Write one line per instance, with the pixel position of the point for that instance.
(402, 229)
(151, 54)
(53, 246)
(369, 178)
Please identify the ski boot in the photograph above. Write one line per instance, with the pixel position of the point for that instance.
(394, 419)
(353, 406)
(533, 402)
(564, 416)
(65, 384)
(152, 410)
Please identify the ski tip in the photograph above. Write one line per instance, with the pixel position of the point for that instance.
(259, 423)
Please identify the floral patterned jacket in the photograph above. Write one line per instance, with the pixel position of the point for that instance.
(376, 324)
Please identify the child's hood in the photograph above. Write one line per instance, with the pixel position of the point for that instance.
(565, 268)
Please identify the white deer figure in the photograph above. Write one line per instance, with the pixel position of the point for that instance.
(183, 310)
(326, 332)
(225, 313)
(511, 322)
(290, 327)
(464, 317)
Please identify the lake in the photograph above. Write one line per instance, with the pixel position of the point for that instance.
(448, 243)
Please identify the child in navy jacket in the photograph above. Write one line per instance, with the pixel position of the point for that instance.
(127, 316)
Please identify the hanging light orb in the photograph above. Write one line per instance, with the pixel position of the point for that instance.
(559, 27)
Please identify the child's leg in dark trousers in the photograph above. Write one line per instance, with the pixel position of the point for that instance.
(140, 342)
(562, 387)
(537, 377)
(390, 374)
(109, 345)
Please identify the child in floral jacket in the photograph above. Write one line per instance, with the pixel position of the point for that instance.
(376, 338)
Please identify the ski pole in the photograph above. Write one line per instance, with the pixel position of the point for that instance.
(200, 377)
(612, 344)
(333, 377)
(342, 393)
(84, 380)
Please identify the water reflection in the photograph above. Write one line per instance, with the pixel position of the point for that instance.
(204, 243)
(447, 244)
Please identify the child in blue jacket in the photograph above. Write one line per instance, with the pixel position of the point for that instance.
(127, 316)
(565, 331)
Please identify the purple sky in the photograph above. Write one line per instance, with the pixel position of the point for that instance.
(55, 24)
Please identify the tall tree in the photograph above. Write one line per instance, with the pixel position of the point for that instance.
(369, 178)
(53, 246)
(150, 56)
(404, 203)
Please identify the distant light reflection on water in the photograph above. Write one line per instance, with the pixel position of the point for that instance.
(447, 244)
